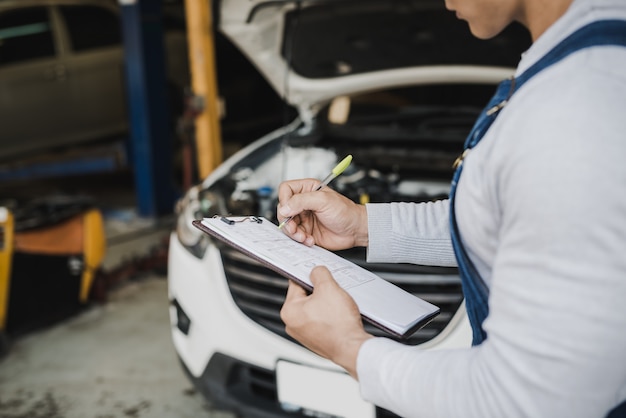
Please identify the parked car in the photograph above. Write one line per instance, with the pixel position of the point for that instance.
(62, 73)
(397, 84)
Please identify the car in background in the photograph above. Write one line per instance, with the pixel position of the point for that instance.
(62, 77)
(397, 84)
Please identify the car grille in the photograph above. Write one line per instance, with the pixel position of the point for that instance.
(260, 292)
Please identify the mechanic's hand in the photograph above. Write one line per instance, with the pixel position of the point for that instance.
(327, 322)
(323, 217)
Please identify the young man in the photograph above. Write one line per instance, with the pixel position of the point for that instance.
(539, 215)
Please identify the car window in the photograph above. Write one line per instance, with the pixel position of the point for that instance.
(91, 27)
(25, 34)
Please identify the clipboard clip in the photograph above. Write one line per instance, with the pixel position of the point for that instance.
(233, 221)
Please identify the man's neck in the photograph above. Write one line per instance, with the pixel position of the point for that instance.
(539, 15)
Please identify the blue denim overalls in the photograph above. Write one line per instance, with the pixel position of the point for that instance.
(606, 32)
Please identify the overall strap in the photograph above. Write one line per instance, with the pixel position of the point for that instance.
(604, 32)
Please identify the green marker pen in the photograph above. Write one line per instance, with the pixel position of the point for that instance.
(339, 168)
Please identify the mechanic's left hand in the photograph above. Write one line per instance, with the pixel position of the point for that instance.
(327, 321)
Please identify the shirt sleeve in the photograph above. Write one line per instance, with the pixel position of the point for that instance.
(415, 233)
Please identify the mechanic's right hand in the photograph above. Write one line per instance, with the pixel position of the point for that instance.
(323, 217)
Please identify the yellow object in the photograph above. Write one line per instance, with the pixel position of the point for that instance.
(6, 256)
(94, 249)
(204, 83)
(339, 168)
(81, 234)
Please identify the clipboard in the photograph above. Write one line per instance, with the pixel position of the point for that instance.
(383, 304)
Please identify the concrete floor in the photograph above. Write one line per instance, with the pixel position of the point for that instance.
(114, 359)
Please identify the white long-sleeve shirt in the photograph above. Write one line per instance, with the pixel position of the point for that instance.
(541, 207)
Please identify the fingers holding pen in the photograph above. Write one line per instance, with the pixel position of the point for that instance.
(323, 217)
(293, 226)
(296, 196)
(289, 188)
(299, 200)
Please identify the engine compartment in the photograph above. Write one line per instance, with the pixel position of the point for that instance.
(403, 144)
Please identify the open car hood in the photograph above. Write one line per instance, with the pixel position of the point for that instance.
(312, 51)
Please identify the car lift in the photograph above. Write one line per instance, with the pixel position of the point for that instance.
(204, 84)
(145, 73)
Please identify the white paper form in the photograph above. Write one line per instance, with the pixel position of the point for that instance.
(380, 302)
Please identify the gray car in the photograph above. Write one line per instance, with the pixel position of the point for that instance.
(62, 73)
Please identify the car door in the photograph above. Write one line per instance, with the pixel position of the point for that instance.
(34, 102)
(95, 64)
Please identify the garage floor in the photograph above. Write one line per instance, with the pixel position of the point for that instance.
(114, 359)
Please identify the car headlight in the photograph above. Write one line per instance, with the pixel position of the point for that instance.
(196, 204)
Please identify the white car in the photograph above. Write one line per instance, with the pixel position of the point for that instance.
(397, 84)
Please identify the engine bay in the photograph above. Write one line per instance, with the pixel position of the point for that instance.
(403, 144)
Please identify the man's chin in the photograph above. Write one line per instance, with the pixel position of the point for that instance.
(481, 33)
